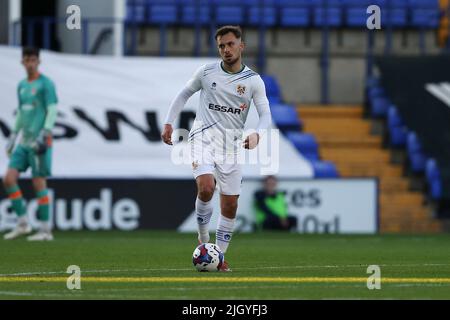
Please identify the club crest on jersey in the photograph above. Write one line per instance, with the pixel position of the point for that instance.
(213, 86)
(241, 89)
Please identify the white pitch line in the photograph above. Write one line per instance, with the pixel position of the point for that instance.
(418, 284)
(88, 271)
(347, 266)
(14, 293)
(240, 269)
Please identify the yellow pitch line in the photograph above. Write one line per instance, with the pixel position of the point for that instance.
(225, 279)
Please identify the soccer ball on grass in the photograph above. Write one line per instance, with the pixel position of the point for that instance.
(207, 257)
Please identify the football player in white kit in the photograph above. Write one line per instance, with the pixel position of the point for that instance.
(227, 89)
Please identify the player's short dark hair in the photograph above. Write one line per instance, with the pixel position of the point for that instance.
(236, 30)
(270, 177)
(30, 51)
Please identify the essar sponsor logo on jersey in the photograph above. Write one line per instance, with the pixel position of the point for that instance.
(224, 109)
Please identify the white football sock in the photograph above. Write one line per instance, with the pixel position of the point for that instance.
(204, 212)
(224, 232)
(45, 227)
(22, 221)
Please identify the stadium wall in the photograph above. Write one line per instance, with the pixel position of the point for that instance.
(294, 57)
(321, 206)
(300, 79)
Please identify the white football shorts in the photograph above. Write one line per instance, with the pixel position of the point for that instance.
(225, 168)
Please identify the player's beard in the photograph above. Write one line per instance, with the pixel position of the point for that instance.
(232, 62)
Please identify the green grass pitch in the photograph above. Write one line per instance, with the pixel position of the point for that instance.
(157, 265)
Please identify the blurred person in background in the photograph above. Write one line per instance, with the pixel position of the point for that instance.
(271, 208)
(36, 116)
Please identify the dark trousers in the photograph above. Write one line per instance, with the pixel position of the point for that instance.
(274, 223)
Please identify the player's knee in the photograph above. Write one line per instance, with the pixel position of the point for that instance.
(206, 192)
(38, 184)
(9, 180)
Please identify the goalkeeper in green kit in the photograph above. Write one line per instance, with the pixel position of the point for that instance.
(35, 120)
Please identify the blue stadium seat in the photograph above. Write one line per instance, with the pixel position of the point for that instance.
(425, 18)
(395, 17)
(424, 4)
(379, 106)
(308, 4)
(294, 3)
(432, 169)
(274, 100)
(258, 16)
(424, 13)
(136, 13)
(229, 12)
(433, 175)
(130, 13)
(331, 17)
(377, 91)
(372, 82)
(394, 13)
(273, 91)
(305, 143)
(324, 169)
(261, 11)
(356, 12)
(162, 14)
(326, 3)
(191, 14)
(356, 17)
(286, 118)
(397, 130)
(258, 3)
(294, 17)
(396, 4)
(416, 156)
(379, 103)
(365, 3)
(153, 2)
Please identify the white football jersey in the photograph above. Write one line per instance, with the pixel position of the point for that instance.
(225, 101)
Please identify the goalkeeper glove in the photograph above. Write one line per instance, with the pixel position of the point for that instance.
(42, 142)
(11, 144)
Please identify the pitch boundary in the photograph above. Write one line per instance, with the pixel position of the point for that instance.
(227, 279)
(37, 273)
